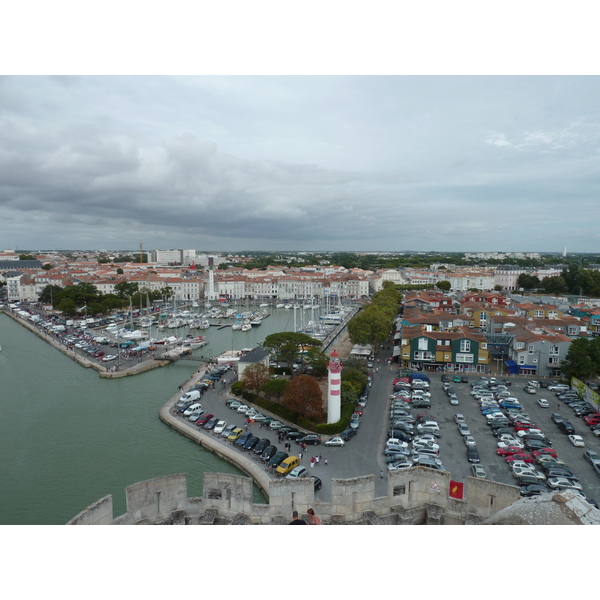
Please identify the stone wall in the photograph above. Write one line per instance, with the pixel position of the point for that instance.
(416, 496)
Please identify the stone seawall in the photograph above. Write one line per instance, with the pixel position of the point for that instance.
(103, 371)
(207, 441)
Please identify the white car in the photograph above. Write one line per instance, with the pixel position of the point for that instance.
(458, 418)
(463, 429)
(196, 407)
(563, 482)
(335, 441)
(417, 446)
(478, 471)
(428, 425)
(469, 440)
(577, 440)
(543, 403)
(532, 430)
(297, 473)
(401, 464)
(425, 437)
(505, 444)
(219, 427)
(395, 443)
(243, 408)
(276, 424)
(511, 439)
(529, 472)
(109, 357)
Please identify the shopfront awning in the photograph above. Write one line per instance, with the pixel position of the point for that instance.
(512, 366)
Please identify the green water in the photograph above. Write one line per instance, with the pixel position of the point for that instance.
(68, 437)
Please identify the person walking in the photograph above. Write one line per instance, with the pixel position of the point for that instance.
(381, 476)
(312, 518)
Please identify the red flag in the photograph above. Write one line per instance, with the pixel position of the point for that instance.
(456, 490)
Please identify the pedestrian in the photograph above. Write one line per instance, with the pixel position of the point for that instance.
(316, 461)
(325, 462)
(300, 456)
(381, 476)
(558, 406)
(296, 519)
(312, 518)
(312, 462)
(320, 457)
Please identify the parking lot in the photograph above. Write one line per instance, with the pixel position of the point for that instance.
(453, 449)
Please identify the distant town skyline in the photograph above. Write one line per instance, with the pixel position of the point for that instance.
(281, 164)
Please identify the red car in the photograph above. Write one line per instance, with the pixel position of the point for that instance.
(592, 419)
(509, 451)
(358, 410)
(520, 426)
(524, 456)
(204, 419)
(545, 452)
(98, 354)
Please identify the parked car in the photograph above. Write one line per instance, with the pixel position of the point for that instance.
(566, 427)
(311, 438)
(260, 446)
(268, 453)
(335, 441)
(473, 454)
(577, 441)
(348, 434)
(219, 427)
(543, 403)
(297, 473)
(478, 471)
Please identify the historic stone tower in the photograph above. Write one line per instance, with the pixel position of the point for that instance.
(334, 399)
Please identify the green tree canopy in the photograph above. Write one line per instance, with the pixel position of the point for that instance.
(443, 285)
(285, 345)
(582, 359)
(124, 289)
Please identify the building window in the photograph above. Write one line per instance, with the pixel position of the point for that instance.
(465, 345)
(400, 490)
(538, 313)
(484, 346)
(520, 345)
(464, 358)
(530, 349)
(423, 344)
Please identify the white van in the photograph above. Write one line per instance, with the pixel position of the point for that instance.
(192, 395)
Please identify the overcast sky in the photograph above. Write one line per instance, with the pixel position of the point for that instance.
(449, 163)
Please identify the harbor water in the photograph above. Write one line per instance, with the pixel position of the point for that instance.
(69, 437)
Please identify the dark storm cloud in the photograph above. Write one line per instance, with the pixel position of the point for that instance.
(369, 163)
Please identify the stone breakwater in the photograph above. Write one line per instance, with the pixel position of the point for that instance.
(103, 371)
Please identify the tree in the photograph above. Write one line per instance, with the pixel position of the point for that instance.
(124, 289)
(120, 271)
(583, 359)
(303, 396)
(285, 345)
(354, 377)
(50, 294)
(528, 282)
(498, 288)
(348, 394)
(26, 257)
(255, 376)
(317, 360)
(443, 285)
(554, 285)
(274, 387)
(223, 267)
(47, 267)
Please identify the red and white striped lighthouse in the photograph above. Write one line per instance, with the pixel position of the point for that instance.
(334, 381)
